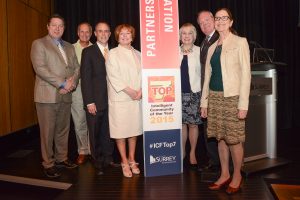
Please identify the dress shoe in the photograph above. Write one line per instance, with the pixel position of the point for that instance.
(112, 164)
(66, 164)
(209, 168)
(126, 170)
(134, 167)
(52, 172)
(193, 166)
(231, 190)
(81, 159)
(219, 186)
(100, 172)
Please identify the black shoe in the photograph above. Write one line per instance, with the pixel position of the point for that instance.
(66, 164)
(99, 172)
(51, 172)
(209, 168)
(111, 165)
(193, 166)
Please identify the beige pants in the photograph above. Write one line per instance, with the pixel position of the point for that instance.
(54, 122)
(79, 119)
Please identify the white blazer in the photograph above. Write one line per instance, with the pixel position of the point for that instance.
(194, 68)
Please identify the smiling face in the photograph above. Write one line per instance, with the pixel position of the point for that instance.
(84, 32)
(187, 35)
(223, 21)
(206, 22)
(56, 28)
(125, 37)
(102, 33)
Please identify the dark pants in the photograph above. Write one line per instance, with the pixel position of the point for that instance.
(211, 145)
(100, 143)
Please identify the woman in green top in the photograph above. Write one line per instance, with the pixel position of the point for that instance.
(225, 98)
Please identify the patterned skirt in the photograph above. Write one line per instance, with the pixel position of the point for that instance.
(222, 120)
(190, 108)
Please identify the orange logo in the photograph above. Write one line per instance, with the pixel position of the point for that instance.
(161, 89)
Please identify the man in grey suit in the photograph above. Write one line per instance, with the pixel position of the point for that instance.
(57, 72)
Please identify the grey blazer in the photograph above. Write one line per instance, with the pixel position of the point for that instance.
(51, 69)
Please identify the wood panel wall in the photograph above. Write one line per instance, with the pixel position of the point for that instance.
(4, 86)
(22, 21)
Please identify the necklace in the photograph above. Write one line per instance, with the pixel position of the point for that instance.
(186, 51)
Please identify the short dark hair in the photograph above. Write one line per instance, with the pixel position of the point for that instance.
(102, 22)
(55, 16)
(86, 23)
(232, 30)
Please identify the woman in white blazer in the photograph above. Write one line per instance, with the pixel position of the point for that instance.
(190, 88)
(225, 98)
(124, 97)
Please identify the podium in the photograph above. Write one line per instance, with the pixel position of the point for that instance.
(261, 125)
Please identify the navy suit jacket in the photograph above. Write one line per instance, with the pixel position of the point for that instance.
(93, 77)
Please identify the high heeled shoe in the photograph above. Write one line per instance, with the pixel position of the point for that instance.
(134, 168)
(231, 190)
(219, 186)
(126, 170)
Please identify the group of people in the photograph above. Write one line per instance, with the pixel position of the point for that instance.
(101, 87)
(85, 80)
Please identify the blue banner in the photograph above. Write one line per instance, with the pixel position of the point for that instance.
(162, 152)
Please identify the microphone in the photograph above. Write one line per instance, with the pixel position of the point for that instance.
(257, 47)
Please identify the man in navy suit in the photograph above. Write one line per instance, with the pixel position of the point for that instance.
(94, 93)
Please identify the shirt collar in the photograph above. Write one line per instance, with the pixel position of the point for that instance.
(101, 47)
(58, 41)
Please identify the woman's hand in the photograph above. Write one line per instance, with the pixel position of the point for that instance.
(242, 114)
(139, 95)
(131, 92)
(203, 112)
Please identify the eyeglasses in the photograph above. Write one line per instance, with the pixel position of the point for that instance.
(223, 18)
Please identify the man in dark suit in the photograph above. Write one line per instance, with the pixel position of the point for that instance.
(57, 71)
(94, 93)
(206, 22)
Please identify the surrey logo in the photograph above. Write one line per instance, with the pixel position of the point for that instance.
(162, 159)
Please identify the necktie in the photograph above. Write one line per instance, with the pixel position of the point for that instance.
(105, 53)
(63, 53)
(205, 42)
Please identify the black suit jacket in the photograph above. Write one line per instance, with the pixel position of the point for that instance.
(93, 77)
(203, 53)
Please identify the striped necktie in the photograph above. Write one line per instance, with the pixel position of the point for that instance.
(105, 53)
(63, 53)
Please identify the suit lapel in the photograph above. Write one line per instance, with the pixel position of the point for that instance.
(98, 51)
(55, 48)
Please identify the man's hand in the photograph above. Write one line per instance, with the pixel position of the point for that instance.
(70, 84)
(63, 91)
(92, 109)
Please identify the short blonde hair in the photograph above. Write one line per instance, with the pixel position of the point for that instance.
(193, 28)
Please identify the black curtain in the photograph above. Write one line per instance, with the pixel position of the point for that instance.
(272, 24)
